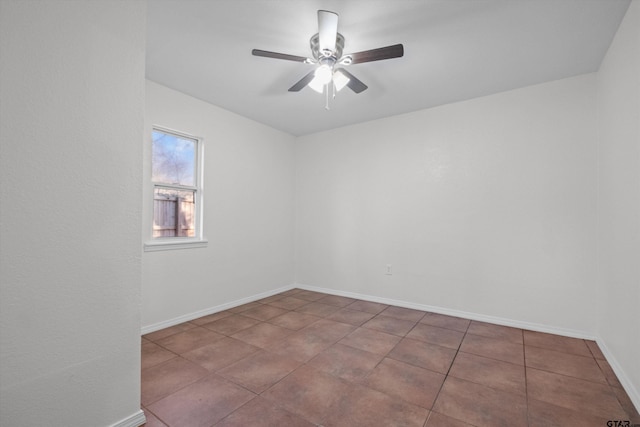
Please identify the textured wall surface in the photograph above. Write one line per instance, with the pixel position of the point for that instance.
(71, 106)
(248, 211)
(619, 199)
(485, 206)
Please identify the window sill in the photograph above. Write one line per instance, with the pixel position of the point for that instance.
(165, 245)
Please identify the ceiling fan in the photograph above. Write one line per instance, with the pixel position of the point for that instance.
(326, 48)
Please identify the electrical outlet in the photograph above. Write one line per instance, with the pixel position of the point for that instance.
(389, 270)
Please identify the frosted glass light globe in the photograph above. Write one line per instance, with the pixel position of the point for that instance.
(323, 74)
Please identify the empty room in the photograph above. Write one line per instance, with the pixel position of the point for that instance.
(319, 213)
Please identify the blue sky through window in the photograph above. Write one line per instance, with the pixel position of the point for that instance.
(173, 159)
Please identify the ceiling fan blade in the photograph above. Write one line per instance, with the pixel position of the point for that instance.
(388, 52)
(354, 84)
(327, 30)
(276, 55)
(302, 82)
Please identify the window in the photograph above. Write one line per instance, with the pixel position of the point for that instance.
(176, 176)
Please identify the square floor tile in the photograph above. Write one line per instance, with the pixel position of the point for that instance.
(439, 420)
(272, 298)
(417, 386)
(152, 420)
(627, 405)
(364, 407)
(259, 371)
(329, 329)
(595, 350)
(557, 342)
(220, 354)
(346, 362)
(309, 295)
(390, 325)
(290, 292)
(162, 380)
(424, 355)
(294, 320)
(607, 371)
(190, 339)
(289, 303)
(302, 345)
(493, 348)
(448, 322)
(263, 312)
(367, 306)
(435, 335)
(352, 317)
(573, 393)
(371, 340)
(211, 318)
(231, 324)
(260, 412)
(202, 403)
(544, 414)
(163, 333)
(495, 331)
(564, 363)
(153, 354)
(262, 334)
(318, 309)
(480, 405)
(336, 300)
(308, 392)
(492, 373)
(403, 313)
(245, 307)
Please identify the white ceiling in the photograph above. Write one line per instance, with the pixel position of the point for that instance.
(454, 50)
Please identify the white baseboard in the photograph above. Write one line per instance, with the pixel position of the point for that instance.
(134, 420)
(191, 316)
(457, 313)
(631, 390)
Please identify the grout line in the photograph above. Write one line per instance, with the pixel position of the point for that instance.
(157, 416)
(446, 376)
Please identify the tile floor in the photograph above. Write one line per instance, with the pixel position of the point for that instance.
(302, 358)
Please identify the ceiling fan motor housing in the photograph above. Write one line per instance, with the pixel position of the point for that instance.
(315, 47)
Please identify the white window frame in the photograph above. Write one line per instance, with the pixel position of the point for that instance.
(171, 243)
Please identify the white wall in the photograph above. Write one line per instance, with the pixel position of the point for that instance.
(71, 108)
(485, 206)
(619, 200)
(248, 218)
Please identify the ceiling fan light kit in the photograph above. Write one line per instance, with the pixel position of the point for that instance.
(326, 49)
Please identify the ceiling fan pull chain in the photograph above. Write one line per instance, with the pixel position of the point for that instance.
(326, 102)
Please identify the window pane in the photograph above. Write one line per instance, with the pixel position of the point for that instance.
(173, 159)
(173, 213)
